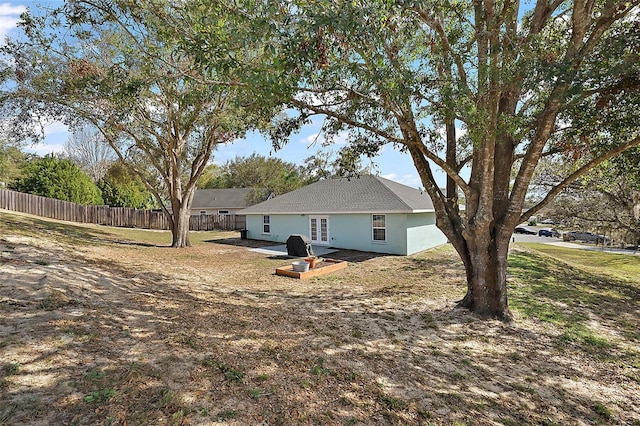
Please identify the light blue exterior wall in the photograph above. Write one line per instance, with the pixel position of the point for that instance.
(422, 232)
(354, 231)
(405, 233)
(281, 227)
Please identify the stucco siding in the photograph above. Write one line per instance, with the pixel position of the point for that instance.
(347, 231)
(281, 227)
(354, 232)
(422, 232)
(405, 233)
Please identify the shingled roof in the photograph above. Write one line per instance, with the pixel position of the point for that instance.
(220, 198)
(364, 194)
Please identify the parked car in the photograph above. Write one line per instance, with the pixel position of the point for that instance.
(587, 237)
(578, 236)
(524, 230)
(547, 221)
(549, 232)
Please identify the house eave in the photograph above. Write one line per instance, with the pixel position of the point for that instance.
(338, 212)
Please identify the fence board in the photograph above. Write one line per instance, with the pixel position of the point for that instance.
(111, 216)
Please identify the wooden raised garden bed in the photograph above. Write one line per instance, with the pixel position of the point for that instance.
(324, 267)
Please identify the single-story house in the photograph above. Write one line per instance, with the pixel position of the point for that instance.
(220, 201)
(368, 213)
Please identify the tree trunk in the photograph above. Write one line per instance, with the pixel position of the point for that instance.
(181, 208)
(485, 262)
(180, 228)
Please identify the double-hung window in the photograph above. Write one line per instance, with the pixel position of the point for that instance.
(266, 224)
(379, 227)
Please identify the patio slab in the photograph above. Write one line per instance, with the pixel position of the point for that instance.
(281, 250)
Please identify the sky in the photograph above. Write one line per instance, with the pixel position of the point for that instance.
(390, 163)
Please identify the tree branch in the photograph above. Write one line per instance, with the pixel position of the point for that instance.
(346, 120)
(436, 25)
(580, 172)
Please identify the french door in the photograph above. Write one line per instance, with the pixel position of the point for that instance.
(319, 229)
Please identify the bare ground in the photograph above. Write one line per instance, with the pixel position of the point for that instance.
(97, 330)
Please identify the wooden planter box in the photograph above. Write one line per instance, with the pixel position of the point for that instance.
(325, 267)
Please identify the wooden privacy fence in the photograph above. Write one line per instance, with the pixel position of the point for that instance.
(110, 216)
(207, 222)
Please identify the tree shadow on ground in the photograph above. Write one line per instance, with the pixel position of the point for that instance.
(71, 230)
(96, 342)
(341, 254)
(138, 243)
(239, 242)
(356, 256)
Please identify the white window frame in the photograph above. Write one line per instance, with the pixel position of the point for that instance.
(374, 228)
(266, 224)
(221, 212)
(318, 235)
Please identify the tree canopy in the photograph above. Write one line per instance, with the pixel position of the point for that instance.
(58, 178)
(87, 148)
(116, 66)
(120, 187)
(273, 176)
(607, 200)
(480, 89)
(266, 175)
(11, 163)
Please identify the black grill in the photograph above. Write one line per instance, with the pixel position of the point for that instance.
(299, 245)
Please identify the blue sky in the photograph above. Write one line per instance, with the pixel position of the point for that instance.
(390, 164)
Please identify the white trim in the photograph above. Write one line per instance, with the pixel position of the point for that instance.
(373, 228)
(319, 229)
(343, 212)
(266, 223)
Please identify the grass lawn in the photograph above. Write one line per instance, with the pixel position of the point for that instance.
(110, 326)
(621, 266)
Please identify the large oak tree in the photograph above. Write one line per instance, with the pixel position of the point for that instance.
(561, 76)
(408, 72)
(115, 65)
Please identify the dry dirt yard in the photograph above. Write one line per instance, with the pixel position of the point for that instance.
(100, 329)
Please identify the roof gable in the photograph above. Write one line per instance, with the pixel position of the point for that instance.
(221, 198)
(364, 194)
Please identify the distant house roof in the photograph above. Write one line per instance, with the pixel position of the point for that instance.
(365, 194)
(229, 198)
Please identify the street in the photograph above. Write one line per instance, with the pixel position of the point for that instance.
(523, 238)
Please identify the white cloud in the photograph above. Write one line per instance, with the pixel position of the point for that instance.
(55, 136)
(55, 128)
(391, 176)
(45, 149)
(341, 138)
(9, 9)
(460, 132)
(406, 179)
(312, 139)
(319, 139)
(9, 17)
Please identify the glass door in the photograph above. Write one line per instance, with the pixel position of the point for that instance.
(319, 229)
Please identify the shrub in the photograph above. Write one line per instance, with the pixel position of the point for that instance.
(58, 178)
